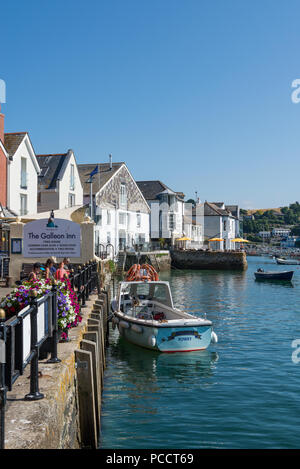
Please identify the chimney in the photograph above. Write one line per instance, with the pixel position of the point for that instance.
(110, 162)
(1, 126)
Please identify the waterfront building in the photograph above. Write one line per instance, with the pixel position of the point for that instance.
(221, 221)
(194, 230)
(19, 171)
(264, 234)
(22, 174)
(59, 184)
(119, 209)
(3, 167)
(289, 242)
(280, 232)
(167, 211)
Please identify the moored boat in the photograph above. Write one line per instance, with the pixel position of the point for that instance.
(274, 275)
(287, 261)
(145, 315)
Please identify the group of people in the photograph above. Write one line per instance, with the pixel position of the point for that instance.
(49, 271)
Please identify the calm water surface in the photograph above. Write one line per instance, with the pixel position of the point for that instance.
(243, 392)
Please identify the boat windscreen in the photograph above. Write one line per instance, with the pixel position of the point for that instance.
(149, 291)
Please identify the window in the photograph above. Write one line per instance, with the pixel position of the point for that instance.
(71, 200)
(72, 177)
(98, 218)
(122, 218)
(108, 218)
(224, 225)
(23, 204)
(160, 292)
(108, 237)
(23, 173)
(123, 194)
(171, 221)
(138, 220)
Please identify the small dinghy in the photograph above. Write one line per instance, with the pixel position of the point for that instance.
(145, 315)
(273, 275)
(287, 261)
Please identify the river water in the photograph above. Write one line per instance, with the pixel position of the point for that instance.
(242, 392)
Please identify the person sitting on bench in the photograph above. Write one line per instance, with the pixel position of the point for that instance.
(35, 273)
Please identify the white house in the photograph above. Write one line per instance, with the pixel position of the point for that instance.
(280, 232)
(167, 211)
(220, 222)
(22, 174)
(119, 209)
(194, 231)
(264, 234)
(59, 184)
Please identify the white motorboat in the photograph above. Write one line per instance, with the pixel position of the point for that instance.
(287, 261)
(145, 315)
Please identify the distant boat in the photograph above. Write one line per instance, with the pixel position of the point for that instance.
(287, 261)
(273, 275)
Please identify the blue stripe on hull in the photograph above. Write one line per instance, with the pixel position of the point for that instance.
(170, 339)
(183, 339)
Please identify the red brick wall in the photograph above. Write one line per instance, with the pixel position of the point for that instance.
(3, 166)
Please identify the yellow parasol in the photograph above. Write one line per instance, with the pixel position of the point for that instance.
(215, 239)
(240, 240)
(183, 239)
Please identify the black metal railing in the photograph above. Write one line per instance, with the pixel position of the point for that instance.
(84, 279)
(21, 338)
(34, 332)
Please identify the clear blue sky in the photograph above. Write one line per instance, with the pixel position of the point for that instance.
(196, 93)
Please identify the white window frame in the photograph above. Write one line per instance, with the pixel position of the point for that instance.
(123, 194)
(72, 177)
(23, 183)
(23, 207)
(172, 221)
(122, 218)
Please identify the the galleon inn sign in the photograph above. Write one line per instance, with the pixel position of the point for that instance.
(51, 237)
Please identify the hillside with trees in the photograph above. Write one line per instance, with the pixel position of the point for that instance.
(267, 219)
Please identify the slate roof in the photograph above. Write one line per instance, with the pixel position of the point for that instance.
(211, 209)
(6, 213)
(12, 141)
(98, 182)
(150, 189)
(234, 209)
(51, 166)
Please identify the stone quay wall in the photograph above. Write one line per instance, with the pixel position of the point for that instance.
(69, 415)
(209, 260)
(161, 260)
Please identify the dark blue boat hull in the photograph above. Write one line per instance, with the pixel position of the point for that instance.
(287, 275)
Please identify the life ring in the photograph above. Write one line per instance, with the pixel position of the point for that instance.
(142, 272)
(154, 274)
(131, 273)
